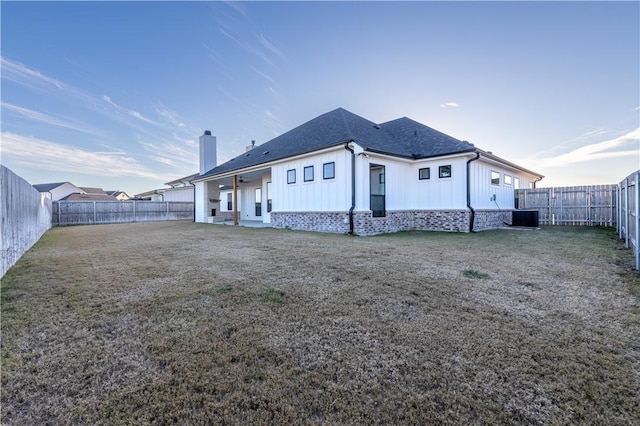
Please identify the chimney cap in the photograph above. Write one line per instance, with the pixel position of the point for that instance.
(207, 132)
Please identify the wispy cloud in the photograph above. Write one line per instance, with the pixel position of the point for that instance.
(170, 117)
(171, 154)
(621, 146)
(269, 46)
(39, 82)
(449, 105)
(46, 155)
(49, 119)
(250, 48)
(127, 112)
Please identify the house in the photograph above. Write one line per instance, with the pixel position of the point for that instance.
(59, 190)
(179, 190)
(89, 197)
(340, 172)
(120, 195)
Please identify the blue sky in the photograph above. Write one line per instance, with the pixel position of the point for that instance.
(116, 94)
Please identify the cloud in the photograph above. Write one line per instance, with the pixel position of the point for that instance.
(46, 155)
(449, 105)
(126, 111)
(170, 154)
(20, 73)
(170, 116)
(621, 146)
(269, 46)
(48, 119)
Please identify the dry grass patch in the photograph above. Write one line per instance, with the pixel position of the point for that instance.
(189, 323)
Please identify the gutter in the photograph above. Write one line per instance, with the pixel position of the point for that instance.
(473, 212)
(353, 185)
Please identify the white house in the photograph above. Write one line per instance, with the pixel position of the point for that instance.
(340, 172)
(120, 195)
(179, 190)
(59, 190)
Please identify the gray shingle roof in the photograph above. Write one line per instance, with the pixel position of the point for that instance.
(46, 187)
(402, 137)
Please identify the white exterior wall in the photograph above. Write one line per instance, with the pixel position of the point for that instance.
(403, 189)
(318, 195)
(178, 194)
(247, 198)
(223, 200)
(482, 190)
(201, 202)
(62, 191)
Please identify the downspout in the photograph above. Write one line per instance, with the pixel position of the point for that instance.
(353, 185)
(473, 212)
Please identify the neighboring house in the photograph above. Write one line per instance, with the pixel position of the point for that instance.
(59, 190)
(89, 197)
(152, 195)
(343, 173)
(94, 191)
(120, 195)
(180, 190)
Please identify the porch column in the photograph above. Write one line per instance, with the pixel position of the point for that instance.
(235, 200)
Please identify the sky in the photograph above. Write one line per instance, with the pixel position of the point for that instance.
(116, 94)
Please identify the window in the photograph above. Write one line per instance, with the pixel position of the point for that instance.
(291, 176)
(328, 170)
(308, 174)
(507, 180)
(229, 201)
(516, 183)
(444, 171)
(495, 178)
(424, 173)
(269, 201)
(258, 201)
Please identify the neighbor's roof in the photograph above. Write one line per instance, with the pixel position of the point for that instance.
(46, 187)
(116, 193)
(89, 197)
(402, 137)
(93, 190)
(186, 180)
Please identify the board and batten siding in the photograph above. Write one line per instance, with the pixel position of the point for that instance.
(319, 195)
(179, 194)
(482, 190)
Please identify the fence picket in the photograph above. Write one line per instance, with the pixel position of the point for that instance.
(94, 212)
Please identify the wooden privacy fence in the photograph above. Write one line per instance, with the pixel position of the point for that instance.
(571, 205)
(98, 212)
(628, 197)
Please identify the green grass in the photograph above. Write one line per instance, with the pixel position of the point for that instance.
(472, 273)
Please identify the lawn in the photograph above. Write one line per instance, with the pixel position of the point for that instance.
(176, 322)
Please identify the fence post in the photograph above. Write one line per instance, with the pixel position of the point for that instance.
(636, 247)
(551, 218)
(588, 207)
(618, 212)
(167, 211)
(626, 213)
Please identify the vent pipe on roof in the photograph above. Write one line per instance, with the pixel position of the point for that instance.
(253, 145)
